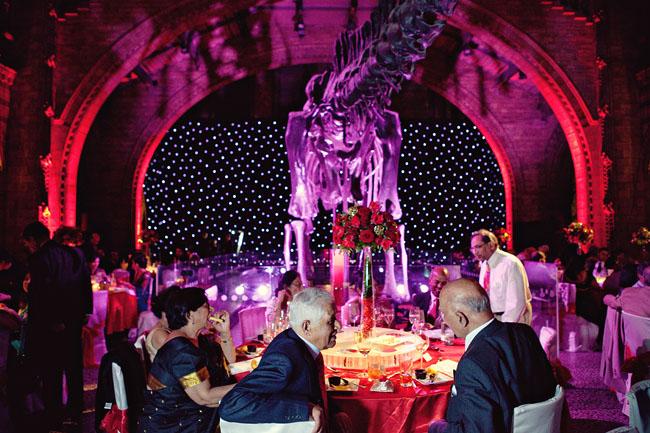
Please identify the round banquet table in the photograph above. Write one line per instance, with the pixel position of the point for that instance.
(407, 409)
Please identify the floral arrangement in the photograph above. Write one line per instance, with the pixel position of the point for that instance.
(503, 236)
(579, 233)
(365, 227)
(641, 237)
(149, 236)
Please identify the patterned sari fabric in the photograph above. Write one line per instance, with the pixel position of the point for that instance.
(178, 365)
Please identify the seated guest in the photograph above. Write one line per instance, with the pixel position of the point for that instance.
(141, 280)
(158, 335)
(288, 385)
(180, 397)
(504, 365)
(290, 284)
(429, 301)
(636, 299)
(97, 274)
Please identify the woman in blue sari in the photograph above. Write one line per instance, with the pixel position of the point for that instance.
(180, 397)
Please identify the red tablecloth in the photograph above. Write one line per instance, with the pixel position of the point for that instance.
(406, 409)
(122, 312)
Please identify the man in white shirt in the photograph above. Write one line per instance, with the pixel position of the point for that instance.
(504, 278)
(600, 267)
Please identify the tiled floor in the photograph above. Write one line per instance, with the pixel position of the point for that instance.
(593, 408)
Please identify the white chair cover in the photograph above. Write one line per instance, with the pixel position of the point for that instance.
(624, 429)
(544, 417)
(611, 359)
(252, 322)
(295, 427)
(639, 400)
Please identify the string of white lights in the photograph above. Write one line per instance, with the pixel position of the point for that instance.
(234, 176)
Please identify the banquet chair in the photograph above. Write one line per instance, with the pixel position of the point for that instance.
(639, 400)
(624, 429)
(252, 322)
(543, 417)
(294, 427)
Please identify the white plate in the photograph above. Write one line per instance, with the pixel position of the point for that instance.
(439, 379)
(352, 385)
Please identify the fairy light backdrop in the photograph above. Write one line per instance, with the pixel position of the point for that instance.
(234, 176)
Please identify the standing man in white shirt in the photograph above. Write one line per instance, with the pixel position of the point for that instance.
(504, 278)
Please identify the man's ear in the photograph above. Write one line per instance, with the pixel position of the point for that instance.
(306, 327)
(462, 318)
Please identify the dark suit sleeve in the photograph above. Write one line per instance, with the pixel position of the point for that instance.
(480, 412)
(260, 397)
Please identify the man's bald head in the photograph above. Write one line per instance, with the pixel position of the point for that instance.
(465, 306)
(438, 278)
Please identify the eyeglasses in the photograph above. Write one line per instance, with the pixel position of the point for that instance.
(476, 247)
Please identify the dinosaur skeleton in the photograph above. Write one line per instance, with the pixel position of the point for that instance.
(344, 145)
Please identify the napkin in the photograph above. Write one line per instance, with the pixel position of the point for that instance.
(244, 366)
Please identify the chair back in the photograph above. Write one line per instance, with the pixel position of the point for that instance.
(294, 427)
(636, 331)
(624, 429)
(252, 322)
(639, 400)
(543, 417)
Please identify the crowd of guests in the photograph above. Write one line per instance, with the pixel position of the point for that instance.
(187, 351)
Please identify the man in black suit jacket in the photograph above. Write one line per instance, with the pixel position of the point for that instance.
(288, 384)
(59, 298)
(429, 302)
(504, 365)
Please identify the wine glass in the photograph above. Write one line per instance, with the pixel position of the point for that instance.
(354, 313)
(364, 347)
(389, 315)
(423, 344)
(379, 315)
(415, 316)
(446, 334)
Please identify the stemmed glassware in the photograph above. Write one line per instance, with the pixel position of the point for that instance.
(389, 315)
(423, 345)
(364, 347)
(416, 316)
(354, 313)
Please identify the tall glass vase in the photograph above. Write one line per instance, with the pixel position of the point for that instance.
(367, 295)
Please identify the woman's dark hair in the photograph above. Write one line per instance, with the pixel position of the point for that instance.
(159, 302)
(140, 259)
(181, 303)
(286, 280)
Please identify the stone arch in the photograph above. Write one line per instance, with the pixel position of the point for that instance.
(97, 85)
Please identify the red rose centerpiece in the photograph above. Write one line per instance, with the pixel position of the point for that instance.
(367, 229)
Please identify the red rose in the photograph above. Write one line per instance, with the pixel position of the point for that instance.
(388, 217)
(338, 231)
(352, 231)
(354, 221)
(377, 218)
(374, 206)
(366, 236)
(386, 244)
(378, 240)
(392, 234)
(348, 242)
(337, 239)
(364, 215)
